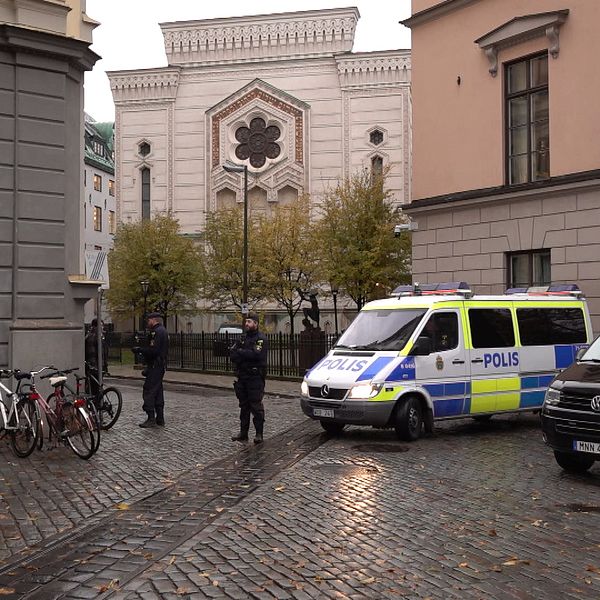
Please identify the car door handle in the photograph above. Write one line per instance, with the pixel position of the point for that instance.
(477, 360)
(457, 361)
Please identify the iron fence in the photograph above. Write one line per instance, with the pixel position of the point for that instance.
(289, 355)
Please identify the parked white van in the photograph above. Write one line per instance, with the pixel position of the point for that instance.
(437, 351)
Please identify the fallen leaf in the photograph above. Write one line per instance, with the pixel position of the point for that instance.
(4, 591)
(180, 493)
(111, 585)
(537, 523)
(172, 560)
(492, 533)
(462, 565)
(122, 506)
(181, 591)
(593, 569)
(515, 561)
(280, 488)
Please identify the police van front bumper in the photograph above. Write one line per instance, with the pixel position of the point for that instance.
(355, 412)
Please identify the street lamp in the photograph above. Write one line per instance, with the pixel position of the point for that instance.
(145, 284)
(334, 293)
(231, 167)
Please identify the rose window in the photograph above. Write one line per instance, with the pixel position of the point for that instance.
(257, 142)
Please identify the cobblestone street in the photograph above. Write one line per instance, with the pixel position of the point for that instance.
(475, 511)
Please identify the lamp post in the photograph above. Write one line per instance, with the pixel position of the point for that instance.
(231, 167)
(334, 293)
(145, 284)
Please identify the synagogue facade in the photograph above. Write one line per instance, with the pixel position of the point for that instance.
(282, 94)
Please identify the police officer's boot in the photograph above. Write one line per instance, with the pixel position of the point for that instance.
(258, 438)
(160, 418)
(149, 422)
(240, 437)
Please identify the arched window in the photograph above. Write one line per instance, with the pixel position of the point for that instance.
(376, 167)
(145, 173)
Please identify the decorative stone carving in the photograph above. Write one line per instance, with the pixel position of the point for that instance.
(149, 85)
(270, 100)
(374, 69)
(519, 30)
(302, 33)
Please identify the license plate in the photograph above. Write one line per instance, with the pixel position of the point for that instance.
(323, 412)
(591, 447)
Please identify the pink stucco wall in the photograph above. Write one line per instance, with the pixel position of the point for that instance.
(458, 137)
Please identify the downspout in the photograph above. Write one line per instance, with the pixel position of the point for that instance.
(15, 217)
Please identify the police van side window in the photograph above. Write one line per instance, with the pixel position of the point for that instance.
(491, 328)
(550, 326)
(442, 330)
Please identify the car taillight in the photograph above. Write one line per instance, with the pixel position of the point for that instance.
(79, 402)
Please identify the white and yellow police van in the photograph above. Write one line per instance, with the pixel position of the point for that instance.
(437, 351)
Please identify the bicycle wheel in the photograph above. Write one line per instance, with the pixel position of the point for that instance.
(111, 403)
(95, 418)
(80, 430)
(23, 440)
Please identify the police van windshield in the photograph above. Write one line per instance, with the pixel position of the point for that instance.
(592, 354)
(381, 329)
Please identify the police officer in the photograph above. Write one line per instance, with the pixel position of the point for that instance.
(155, 359)
(249, 358)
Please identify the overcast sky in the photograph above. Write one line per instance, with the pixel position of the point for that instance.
(129, 36)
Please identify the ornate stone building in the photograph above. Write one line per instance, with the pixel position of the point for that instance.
(281, 93)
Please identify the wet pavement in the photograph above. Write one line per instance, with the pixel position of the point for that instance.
(475, 511)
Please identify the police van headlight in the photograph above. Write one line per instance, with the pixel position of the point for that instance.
(365, 391)
(304, 388)
(552, 397)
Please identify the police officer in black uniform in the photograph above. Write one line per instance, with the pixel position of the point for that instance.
(155, 359)
(249, 357)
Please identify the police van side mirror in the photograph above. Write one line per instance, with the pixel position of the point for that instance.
(580, 353)
(422, 347)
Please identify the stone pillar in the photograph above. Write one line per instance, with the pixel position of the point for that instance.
(41, 138)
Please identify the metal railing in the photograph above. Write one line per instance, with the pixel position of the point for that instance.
(289, 355)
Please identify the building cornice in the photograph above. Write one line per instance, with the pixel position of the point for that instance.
(366, 69)
(148, 84)
(306, 33)
(584, 179)
(435, 12)
(33, 41)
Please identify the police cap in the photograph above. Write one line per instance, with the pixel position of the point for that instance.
(253, 317)
(154, 315)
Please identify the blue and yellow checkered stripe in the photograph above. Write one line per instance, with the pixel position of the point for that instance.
(488, 395)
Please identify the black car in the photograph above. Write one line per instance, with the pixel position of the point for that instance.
(571, 412)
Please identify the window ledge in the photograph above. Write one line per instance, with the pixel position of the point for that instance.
(521, 29)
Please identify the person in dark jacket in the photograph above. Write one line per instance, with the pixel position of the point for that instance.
(249, 358)
(155, 358)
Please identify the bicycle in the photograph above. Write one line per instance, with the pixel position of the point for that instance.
(69, 422)
(58, 380)
(107, 400)
(19, 416)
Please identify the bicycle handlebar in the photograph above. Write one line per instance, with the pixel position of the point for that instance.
(59, 372)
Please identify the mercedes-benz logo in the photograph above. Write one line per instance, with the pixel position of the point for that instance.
(325, 392)
(596, 403)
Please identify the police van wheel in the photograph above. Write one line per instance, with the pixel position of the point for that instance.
(333, 428)
(573, 463)
(409, 420)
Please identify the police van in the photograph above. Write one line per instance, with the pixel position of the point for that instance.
(437, 351)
